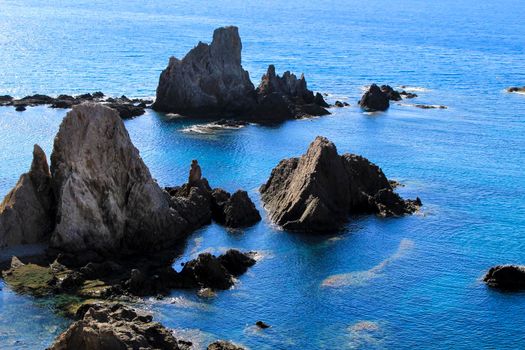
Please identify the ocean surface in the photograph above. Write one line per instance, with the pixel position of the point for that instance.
(405, 283)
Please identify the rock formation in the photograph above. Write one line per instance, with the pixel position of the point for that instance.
(318, 191)
(508, 277)
(374, 100)
(108, 327)
(223, 345)
(516, 89)
(26, 213)
(210, 81)
(392, 94)
(235, 210)
(106, 198)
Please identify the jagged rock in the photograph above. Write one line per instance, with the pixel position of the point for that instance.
(109, 327)
(208, 80)
(235, 262)
(407, 94)
(26, 213)
(223, 345)
(206, 271)
(374, 100)
(127, 110)
(195, 173)
(392, 94)
(509, 277)
(106, 198)
(318, 191)
(239, 211)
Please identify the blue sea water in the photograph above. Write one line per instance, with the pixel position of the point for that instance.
(412, 282)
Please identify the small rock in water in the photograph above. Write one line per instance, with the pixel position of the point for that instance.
(510, 277)
(262, 325)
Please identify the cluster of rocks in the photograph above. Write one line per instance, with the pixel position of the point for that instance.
(378, 98)
(318, 191)
(117, 326)
(516, 89)
(127, 108)
(506, 277)
(210, 81)
(99, 197)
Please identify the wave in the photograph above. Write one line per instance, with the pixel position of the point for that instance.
(357, 278)
(213, 127)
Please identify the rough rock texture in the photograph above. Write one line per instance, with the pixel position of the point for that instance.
(392, 94)
(318, 191)
(287, 97)
(234, 211)
(26, 213)
(107, 199)
(236, 262)
(374, 100)
(510, 277)
(209, 79)
(223, 345)
(110, 327)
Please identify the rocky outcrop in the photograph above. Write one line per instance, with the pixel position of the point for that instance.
(210, 81)
(318, 191)
(287, 97)
(374, 100)
(235, 210)
(508, 277)
(392, 94)
(107, 200)
(223, 345)
(108, 327)
(127, 108)
(516, 89)
(26, 213)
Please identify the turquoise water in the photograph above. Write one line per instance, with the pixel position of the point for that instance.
(412, 282)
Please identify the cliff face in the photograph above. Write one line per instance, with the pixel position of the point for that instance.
(318, 191)
(209, 79)
(26, 213)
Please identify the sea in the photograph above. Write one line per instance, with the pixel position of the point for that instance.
(382, 283)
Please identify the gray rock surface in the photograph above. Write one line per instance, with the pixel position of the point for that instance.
(26, 213)
(106, 198)
(318, 191)
(209, 79)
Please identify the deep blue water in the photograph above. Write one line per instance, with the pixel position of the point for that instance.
(412, 282)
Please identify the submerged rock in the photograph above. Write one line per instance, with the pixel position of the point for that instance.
(318, 191)
(208, 80)
(108, 327)
(106, 198)
(26, 213)
(510, 277)
(374, 100)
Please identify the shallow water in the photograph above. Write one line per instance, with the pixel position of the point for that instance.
(465, 162)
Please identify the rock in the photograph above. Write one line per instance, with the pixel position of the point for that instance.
(206, 271)
(262, 325)
(5, 100)
(405, 94)
(20, 108)
(195, 173)
(36, 100)
(516, 89)
(206, 293)
(108, 327)
(319, 100)
(374, 100)
(430, 106)
(239, 211)
(318, 191)
(223, 345)
(107, 200)
(209, 80)
(127, 110)
(339, 104)
(507, 277)
(26, 213)
(235, 262)
(392, 94)
(98, 94)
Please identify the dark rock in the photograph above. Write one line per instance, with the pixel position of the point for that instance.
(405, 94)
(36, 100)
(430, 106)
(219, 199)
(235, 262)
(206, 271)
(507, 277)
(20, 108)
(339, 104)
(223, 345)
(319, 100)
(108, 327)
(262, 325)
(318, 191)
(239, 211)
(85, 97)
(26, 213)
(374, 100)
(516, 89)
(127, 110)
(5, 100)
(392, 94)
(98, 94)
(208, 80)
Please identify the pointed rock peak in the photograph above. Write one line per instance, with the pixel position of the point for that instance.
(39, 166)
(271, 71)
(321, 146)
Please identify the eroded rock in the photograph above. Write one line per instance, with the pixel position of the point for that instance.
(318, 191)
